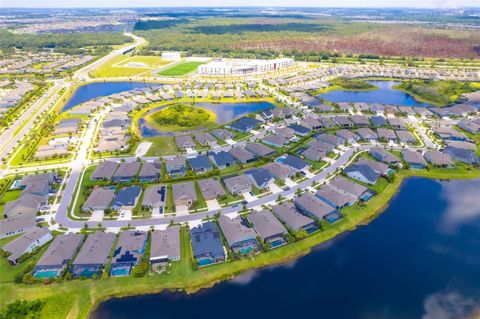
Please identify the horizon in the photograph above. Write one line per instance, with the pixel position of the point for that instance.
(185, 4)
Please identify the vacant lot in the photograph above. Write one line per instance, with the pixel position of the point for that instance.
(180, 69)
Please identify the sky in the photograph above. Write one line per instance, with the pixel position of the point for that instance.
(243, 3)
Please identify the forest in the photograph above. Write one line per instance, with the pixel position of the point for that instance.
(96, 43)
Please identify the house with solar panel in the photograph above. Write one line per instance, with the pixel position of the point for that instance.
(128, 252)
(207, 244)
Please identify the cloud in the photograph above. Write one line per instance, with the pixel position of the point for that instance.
(463, 204)
(448, 305)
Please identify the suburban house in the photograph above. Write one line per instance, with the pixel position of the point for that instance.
(279, 171)
(211, 188)
(314, 207)
(384, 156)
(104, 171)
(240, 238)
(260, 177)
(14, 226)
(359, 192)
(127, 198)
(241, 155)
(128, 252)
(99, 199)
(155, 197)
(165, 247)
(176, 166)
(367, 134)
(205, 139)
(150, 172)
(268, 227)
(237, 185)
(295, 163)
(438, 158)
(222, 134)
(126, 172)
(414, 159)
(222, 159)
(362, 172)
(207, 244)
(259, 150)
(184, 194)
(200, 164)
(184, 142)
(244, 124)
(288, 214)
(26, 243)
(93, 255)
(334, 198)
(57, 256)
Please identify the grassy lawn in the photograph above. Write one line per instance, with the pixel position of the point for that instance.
(180, 69)
(118, 66)
(162, 145)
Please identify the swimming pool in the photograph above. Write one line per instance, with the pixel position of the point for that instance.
(124, 271)
(46, 274)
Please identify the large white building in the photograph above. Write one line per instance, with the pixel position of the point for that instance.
(171, 56)
(239, 67)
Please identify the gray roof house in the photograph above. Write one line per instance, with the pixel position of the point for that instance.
(14, 226)
(386, 134)
(128, 252)
(367, 134)
(205, 139)
(241, 155)
(334, 198)
(25, 206)
(222, 134)
(279, 171)
(237, 185)
(268, 227)
(259, 149)
(200, 164)
(99, 199)
(414, 159)
(57, 256)
(165, 246)
(437, 158)
(384, 156)
(314, 207)
(184, 142)
(104, 171)
(240, 238)
(405, 136)
(211, 188)
(176, 166)
(126, 171)
(288, 214)
(26, 243)
(184, 194)
(150, 171)
(343, 184)
(93, 255)
(347, 135)
(362, 172)
(155, 197)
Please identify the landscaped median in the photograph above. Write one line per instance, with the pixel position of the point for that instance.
(75, 299)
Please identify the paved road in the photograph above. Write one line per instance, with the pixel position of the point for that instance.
(62, 218)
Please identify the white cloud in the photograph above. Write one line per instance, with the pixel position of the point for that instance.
(448, 305)
(463, 204)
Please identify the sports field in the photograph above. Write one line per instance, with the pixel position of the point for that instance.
(180, 69)
(123, 66)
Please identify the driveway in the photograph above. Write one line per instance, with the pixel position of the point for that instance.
(249, 197)
(213, 204)
(142, 149)
(274, 188)
(97, 216)
(125, 215)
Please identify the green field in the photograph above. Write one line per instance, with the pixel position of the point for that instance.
(118, 66)
(162, 145)
(180, 69)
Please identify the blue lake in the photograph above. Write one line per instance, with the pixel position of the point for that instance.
(419, 259)
(384, 95)
(226, 112)
(99, 89)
